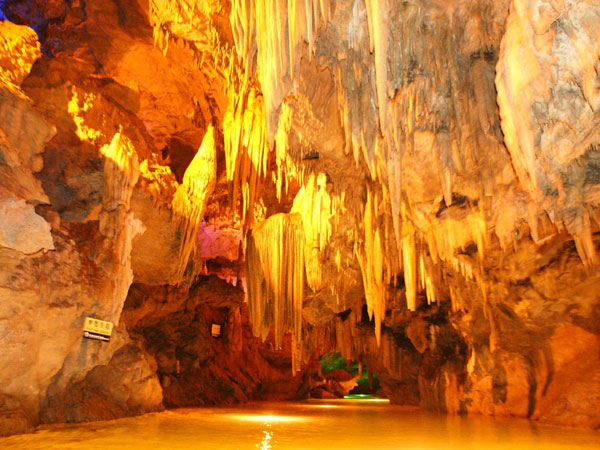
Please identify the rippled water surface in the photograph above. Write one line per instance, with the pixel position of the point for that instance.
(343, 424)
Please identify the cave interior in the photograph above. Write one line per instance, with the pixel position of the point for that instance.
(280, 200)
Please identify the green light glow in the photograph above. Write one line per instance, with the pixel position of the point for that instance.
(355, 396)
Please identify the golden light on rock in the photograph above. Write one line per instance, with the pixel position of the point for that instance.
(191, 197)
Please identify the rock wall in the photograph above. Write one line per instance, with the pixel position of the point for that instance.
(174, 326)
(67, 231)
(80, 147)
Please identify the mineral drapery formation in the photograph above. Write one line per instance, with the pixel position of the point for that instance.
(413, 183)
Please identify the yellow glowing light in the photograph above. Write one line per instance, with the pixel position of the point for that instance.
(246, 149)
(19, 48)
(275, 279)
(191, 197)
(317, 208)
(265, 444)
(77, 108)
(344, 402)
(266, 418)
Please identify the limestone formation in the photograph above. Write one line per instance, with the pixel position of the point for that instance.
(415, 184)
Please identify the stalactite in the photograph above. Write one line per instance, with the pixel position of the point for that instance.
(121, 172)
(242, 19)
(379, 30)
(298, 133)
(281, 252)
(78, 108)
(274, 31)
(317, 209)
(246, 149)
(427, 278)
(371, 259)
(282, 146)
(275, 276)
(394, 171)
(581, 230)
(456, 301)
(159, 181)
(453, 234)
(191, 197)
(410, 269)
(387, 353)
(345, 336)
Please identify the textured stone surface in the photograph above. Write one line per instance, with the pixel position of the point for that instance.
(22, 229)
(19, 48)
(174, 326)
(126, 386)
(549, 101)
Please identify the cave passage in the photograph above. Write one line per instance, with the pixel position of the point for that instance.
(348, 379)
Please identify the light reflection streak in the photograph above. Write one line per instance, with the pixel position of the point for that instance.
(347, 401)
(265, 444)
(265, 418)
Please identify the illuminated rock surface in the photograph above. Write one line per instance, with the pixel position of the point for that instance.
(415, 184)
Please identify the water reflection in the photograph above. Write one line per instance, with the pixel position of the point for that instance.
(262, 418)
(265, 444)
(350, 424)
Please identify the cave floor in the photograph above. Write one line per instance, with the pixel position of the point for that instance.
(314, 424)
